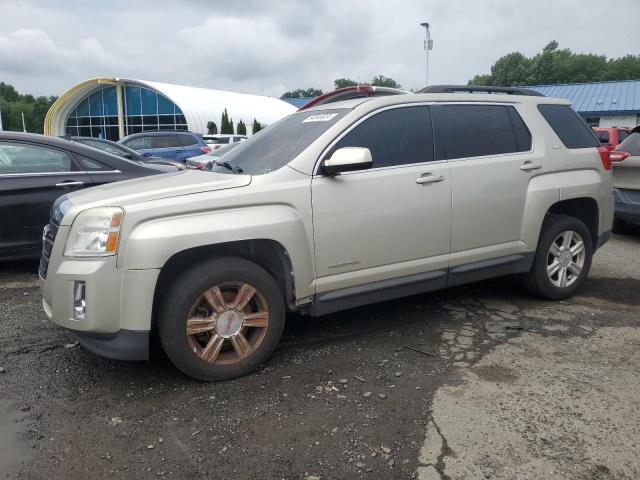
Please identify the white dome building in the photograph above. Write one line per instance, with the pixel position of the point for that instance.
(112, 108)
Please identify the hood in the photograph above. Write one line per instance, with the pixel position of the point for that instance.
(156, 187)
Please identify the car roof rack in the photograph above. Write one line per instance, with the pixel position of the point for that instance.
(480, 89)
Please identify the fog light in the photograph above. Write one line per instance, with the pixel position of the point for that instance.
(79, 304)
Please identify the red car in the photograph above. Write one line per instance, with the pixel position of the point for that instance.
(355, 91)
(610, 137)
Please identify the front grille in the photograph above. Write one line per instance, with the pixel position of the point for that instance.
(48, 237)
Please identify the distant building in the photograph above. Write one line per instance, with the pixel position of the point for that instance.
(115, 107)
(602, 104)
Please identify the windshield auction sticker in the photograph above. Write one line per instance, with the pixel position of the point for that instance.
(320, 117)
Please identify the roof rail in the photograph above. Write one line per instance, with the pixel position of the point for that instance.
(479, 88)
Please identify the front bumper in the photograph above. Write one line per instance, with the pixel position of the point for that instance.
(121, 345)
(627, 205)
(118, 302)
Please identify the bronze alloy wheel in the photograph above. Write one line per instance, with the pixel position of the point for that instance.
(227, 323)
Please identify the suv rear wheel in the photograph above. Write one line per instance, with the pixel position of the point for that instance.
(221, 319)
(563, 258)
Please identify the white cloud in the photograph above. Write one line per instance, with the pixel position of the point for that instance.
(269, 47)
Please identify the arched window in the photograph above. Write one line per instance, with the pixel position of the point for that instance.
(144, 109)
(95, 116)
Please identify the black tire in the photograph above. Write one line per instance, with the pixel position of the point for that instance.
(537, 279)
(186, 291)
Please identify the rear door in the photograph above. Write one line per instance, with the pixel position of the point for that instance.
(31, 178)
(489, 150)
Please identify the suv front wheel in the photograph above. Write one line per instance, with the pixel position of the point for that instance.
(221, 319)
(563, 258)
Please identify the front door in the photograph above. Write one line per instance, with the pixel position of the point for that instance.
(392, 220)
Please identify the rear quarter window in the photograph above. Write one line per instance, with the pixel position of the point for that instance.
(569, 126)
(188, 140)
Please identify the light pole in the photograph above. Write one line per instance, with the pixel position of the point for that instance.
(428, 45)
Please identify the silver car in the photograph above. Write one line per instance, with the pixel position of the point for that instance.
(206, 160)
(332, 207)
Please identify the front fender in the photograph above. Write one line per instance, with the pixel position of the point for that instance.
(150, 244)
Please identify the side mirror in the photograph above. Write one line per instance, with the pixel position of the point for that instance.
(127, 155)
(347, 159)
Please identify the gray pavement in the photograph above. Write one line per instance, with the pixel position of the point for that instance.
(429, 393)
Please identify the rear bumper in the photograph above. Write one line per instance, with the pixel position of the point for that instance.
(627, 205)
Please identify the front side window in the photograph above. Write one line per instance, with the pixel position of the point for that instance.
(464, 131)
(401, 136)
(23, 158)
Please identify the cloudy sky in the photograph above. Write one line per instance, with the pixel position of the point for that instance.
(268, 47)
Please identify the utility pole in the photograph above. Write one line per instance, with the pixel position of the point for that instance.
(0, 120)
(24, 129)
(428, 45)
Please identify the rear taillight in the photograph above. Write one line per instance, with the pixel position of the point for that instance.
(198, 166)
(617, 156)
(205, 149)
(604, 156)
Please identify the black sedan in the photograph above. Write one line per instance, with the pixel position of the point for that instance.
(35, 170)
(124, 152)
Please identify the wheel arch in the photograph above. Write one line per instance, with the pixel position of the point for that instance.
(266, 253)
(584, 209)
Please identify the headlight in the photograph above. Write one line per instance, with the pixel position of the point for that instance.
(94, 233)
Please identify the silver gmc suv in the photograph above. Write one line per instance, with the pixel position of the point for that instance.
(333, 207)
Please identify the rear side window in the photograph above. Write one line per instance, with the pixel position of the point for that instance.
(569, 126)
(400, 136)
(164, 141)
(603, 136)
(477, 130)
(188, 140)
(523, 135)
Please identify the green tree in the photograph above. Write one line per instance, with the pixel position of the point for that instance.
(226, 125)
(344, 82)
(241, 129)
(14, 104)
(556, 65)
(382, 81)
(256, 127)
(231, 130)
(302, 93)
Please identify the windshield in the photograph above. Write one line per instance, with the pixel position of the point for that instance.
(275, 146)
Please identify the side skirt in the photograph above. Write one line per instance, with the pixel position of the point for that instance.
(351, 297)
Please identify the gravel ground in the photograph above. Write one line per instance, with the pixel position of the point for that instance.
(414, 388)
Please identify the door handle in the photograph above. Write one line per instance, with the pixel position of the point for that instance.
(69, 184)
(429, 178)
(529, 165)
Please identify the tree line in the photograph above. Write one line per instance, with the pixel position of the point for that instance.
(377, 81)
(556, 65)
(14, 104)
